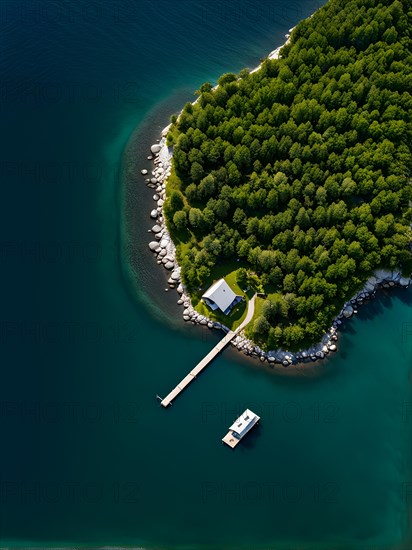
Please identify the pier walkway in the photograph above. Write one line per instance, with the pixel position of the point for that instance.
(210, 356)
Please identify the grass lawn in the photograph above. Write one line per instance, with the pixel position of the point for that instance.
(258, 311)
(238, 313)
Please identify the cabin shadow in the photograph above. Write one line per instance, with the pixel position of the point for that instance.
(249, 442)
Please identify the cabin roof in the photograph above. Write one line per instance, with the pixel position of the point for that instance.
(243, 421)
(221, 294)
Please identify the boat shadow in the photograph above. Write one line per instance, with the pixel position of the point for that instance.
(250, 441)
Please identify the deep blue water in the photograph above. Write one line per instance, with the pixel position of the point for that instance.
(88, 457)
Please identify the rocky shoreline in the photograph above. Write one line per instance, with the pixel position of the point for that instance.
(163, 247)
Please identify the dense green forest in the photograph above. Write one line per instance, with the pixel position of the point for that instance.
(302, 168)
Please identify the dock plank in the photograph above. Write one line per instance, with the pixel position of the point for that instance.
(209, 357)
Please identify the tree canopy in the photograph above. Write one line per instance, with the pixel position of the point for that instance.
(302, 169)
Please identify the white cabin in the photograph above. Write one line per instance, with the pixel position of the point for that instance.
(221, 296)
(240, 427)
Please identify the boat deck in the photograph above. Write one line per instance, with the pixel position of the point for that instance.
(230, 440)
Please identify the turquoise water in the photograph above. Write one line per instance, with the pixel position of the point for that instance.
(89, 337)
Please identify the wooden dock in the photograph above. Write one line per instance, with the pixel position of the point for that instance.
(209, 357)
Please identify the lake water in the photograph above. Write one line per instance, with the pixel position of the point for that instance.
(89, 337)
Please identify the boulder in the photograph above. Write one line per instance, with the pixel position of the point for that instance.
(153, 245)
(156, 197)
(153, 180)
(144, 171)
(348, 311)
(164, 243)
(332, 347)
(154, 214)
(155, 148)
(180, 289)
(169, 265)
(175, 276)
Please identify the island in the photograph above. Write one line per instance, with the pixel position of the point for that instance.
(293, 180)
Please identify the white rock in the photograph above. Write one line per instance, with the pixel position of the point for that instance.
(348, 311)
(175, 275)
(153, 245)
(154, 214)
(155, 148)
(144, 171)
(169, 265)
(164, 243)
